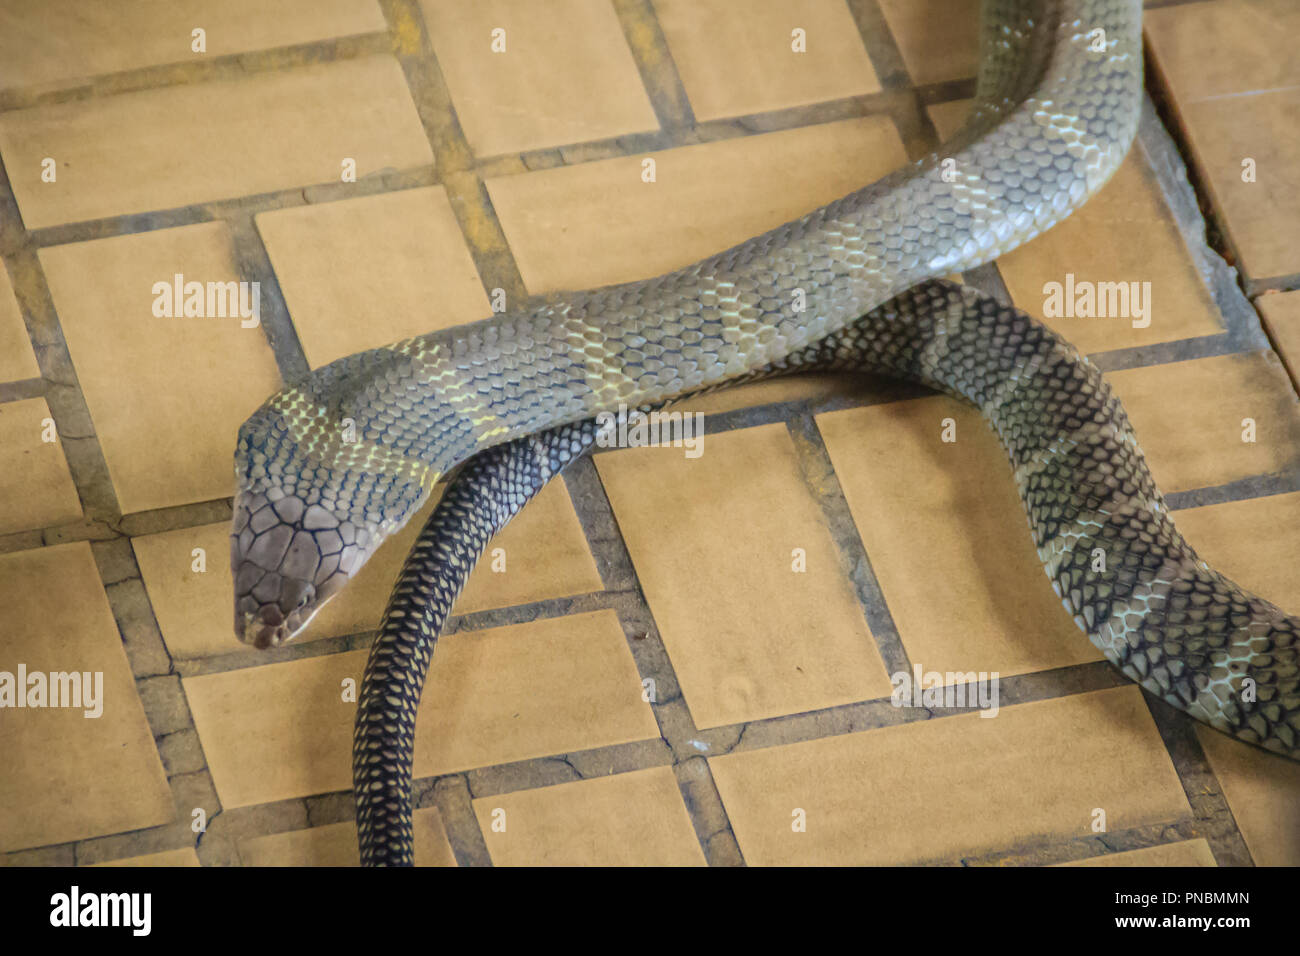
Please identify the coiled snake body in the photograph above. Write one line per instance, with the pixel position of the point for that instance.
(332, 465)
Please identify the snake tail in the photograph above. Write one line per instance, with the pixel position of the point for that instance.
(484, 495)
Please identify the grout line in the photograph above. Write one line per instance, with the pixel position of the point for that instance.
(1204, 792)
(23, 390)
(245, 658)
(190, 72)
(988, 279)
(867, 392)
(545, 609)
(882, 49)
(1165, 353)
(387, 181)
(1283, 283)
(133, 613)
(62, 391)
(905, 101)
(824, 487)
(253, 264)
(902, 108)
(172, 518)
(707, 812)
(428, 86)
(878, 714)
(787, 729)
(653, 663)
(518, 776)
(654, 59)
(451, 795)
(1243, 489)
(600, 525)
(1051, 853)
(453, 159)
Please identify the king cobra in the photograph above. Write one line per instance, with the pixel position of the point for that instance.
(333, 464)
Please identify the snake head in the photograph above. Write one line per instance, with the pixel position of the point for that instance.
(306, 518)
(288, 558)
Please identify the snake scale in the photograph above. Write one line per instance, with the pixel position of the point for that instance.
(335, 463)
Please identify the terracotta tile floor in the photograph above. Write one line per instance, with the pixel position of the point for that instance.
(936, 38)
(16, 359)
(36, 487)
(932, 790)
(669, 660)
(526, 76)
(177, 145)
(363, 272)
(212, 371)
(779, 54)
(65, 40)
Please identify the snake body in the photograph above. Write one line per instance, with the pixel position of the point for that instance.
(332, 465)
(1156, 610)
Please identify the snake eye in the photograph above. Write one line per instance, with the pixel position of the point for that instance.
(307, 596)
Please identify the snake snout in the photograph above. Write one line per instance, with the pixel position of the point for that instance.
(266, 628)
(271, 624)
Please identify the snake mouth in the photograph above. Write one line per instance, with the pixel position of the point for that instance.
(270, 627)
(267, 624)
